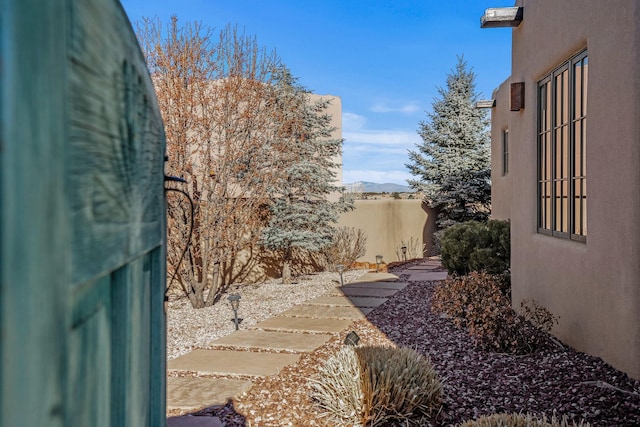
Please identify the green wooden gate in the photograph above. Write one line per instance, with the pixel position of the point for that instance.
(82, 255)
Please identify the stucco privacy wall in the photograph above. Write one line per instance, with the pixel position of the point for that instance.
(595, 286)
(387, 223)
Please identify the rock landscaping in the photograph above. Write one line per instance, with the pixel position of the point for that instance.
(555, 380)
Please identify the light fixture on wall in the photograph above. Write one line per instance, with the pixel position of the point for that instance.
(517, 96)
(234, 300)
(340, 269)
(378, 262)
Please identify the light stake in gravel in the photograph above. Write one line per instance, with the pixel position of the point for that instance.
(340, 269)
(404, 253)
(234, 300)
(378, 262)
(352, 339)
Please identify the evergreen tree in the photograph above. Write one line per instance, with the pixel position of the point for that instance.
(453, 165)
(301, 215)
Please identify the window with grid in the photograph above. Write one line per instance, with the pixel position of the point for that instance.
(562, 176)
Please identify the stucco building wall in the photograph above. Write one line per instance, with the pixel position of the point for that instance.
(500, 182)
(389, 222)
(593, 286)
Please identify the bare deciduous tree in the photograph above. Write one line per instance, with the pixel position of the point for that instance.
(348, 244)
(212, 94)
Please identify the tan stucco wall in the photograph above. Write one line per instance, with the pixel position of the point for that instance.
(387, 223)
(595, 286)
(500, 184)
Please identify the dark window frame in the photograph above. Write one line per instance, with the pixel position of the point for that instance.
(561, 145)
(505, 152)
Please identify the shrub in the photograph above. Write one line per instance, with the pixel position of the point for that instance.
(520, 420)
(538, 316)
(347, 245)
(476, 246)
(370, 386)
(480, 302)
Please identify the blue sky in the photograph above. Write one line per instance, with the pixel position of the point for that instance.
(384, 59)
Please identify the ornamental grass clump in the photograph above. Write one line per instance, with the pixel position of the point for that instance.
(521, 420)
(399, 384)
(389, 385)
(338, 389)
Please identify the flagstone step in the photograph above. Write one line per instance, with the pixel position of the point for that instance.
(344, 301)
(422, 267)
(363, 292)
(191, 394)
(221, 362)
(376, 277)
(376, 285)
(324, 312)
(191, 421)
(427, 276)
(303, 324)
(290, 341)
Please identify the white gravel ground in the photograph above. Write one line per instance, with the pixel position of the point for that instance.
(188, 328)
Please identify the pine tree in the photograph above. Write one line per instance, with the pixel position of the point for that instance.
(453, 165)
(301, 215)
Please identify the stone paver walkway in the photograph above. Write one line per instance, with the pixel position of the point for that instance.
(232, 360)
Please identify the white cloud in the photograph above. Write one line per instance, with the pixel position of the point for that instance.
(408, 108)
(375, 155)
(352, 121)
(382, 137)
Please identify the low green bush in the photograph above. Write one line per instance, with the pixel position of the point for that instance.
(476, 246)
(520, 420)
(371, 386)
(480, 302)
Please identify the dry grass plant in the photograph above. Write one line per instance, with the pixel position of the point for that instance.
(373, 385)
(415, 249)
(521, 420)
(338, 389)
(399, 384)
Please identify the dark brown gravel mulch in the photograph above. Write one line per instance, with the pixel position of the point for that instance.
(551, 380)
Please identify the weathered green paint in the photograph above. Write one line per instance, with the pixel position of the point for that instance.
(82, 256)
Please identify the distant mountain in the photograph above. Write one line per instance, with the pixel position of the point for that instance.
(374, 187)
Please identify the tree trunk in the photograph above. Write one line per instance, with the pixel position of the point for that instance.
(286, 272)
(286, 267)
(213, 291)
(196, 299)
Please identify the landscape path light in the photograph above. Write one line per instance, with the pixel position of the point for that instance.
(351, 339)
(234, 300)
(378, 262)
(340, 269)
(404, 253)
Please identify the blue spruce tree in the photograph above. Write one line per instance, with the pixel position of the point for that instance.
(452, 166)
(301, 216)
